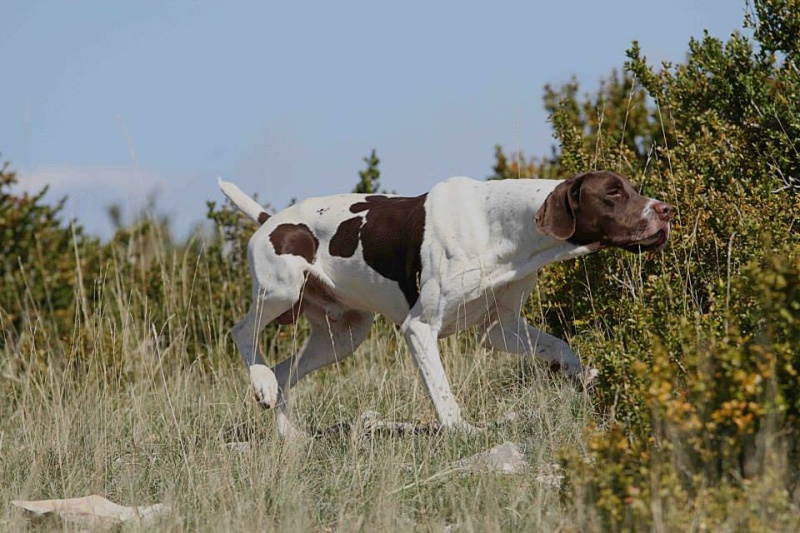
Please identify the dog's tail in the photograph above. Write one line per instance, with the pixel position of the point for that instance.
(246, 205)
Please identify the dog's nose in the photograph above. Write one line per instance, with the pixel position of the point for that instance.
(663, 210)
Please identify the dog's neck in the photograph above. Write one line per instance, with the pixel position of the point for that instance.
(511, 211)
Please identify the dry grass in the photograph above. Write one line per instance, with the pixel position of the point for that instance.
(162, 437)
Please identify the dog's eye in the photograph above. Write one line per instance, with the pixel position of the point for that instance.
(614, 193)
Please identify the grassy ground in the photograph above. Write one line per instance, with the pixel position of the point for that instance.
(162, 437)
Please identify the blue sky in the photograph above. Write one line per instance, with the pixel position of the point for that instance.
(109, 100)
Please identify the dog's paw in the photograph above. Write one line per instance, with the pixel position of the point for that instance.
(265, 386)
(586, 378)
(588, 375)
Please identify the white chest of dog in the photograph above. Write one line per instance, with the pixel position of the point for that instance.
(466, 254)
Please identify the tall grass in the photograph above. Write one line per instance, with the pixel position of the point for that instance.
(135, 392)
(131, 415)
(146, 400)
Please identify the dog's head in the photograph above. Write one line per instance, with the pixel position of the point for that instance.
(606, 208)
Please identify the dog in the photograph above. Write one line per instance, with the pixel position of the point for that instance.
(466, 254)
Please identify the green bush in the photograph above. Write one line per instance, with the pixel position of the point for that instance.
(697, 349)
(70, 302)
(41, 260)
(697, 404)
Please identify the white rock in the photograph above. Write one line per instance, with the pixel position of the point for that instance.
(504, 459)
(92, 510)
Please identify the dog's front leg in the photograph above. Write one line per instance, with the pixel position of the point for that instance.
(422, 339)
(513, 334)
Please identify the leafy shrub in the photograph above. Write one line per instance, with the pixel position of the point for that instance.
(698, 398)
(70, 302)
(697, 348)
(41, 258)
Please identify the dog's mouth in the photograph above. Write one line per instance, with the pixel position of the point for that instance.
(653, 243)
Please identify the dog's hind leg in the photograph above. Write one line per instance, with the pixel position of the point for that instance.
(264, 309)
(331, 340)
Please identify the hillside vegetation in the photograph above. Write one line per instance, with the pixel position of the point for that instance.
(118, 376)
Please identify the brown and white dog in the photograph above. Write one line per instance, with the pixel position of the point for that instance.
(465, 254)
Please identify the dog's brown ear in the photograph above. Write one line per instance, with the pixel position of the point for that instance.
(556, 217)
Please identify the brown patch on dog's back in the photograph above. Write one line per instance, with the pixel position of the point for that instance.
(345, 241)
(263, 217)
(368, 202)
(294, 239)
(391, 239)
